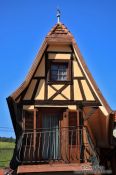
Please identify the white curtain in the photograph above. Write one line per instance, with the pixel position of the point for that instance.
(50, 136)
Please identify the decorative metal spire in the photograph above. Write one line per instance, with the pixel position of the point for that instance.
(58, 16)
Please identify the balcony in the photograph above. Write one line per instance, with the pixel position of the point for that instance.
(57, 145)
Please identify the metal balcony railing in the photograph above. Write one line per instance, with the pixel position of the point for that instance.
(56, 144)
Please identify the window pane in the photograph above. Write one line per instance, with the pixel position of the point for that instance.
(59, 71)
(62, 66)
(60, 77)
(54, 67)
(64, 77)
(54, 77)
(62, 72)
(54, 72)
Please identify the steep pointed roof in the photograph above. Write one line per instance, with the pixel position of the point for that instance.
(59, 34)
(60, 30)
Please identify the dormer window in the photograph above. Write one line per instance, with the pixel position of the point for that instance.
(59, 72)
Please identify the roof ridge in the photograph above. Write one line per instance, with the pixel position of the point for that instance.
(60, 30)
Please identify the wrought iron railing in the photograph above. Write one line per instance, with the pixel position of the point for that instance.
(56, 144)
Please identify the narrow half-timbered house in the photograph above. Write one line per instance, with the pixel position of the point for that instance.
(61, 120)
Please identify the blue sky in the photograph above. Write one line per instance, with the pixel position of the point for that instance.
(25, 23)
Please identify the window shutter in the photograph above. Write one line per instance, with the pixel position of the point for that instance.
(29, 122)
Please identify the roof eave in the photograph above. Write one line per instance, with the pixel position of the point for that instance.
(106, 105)
(20, 89)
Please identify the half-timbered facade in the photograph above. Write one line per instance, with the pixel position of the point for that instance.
(59, 115)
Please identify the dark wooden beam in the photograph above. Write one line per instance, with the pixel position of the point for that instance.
(71, 76)
(35, 90)
(59, 82)
(58, 52)
(36, 78)
(82, 90)
(79, 78)
(46, 75)
(59, 102)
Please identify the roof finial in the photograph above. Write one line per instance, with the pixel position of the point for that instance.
(58, 16)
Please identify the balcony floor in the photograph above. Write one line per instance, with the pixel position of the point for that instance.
(59, 167)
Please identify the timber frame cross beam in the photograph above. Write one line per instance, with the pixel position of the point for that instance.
(58, 92)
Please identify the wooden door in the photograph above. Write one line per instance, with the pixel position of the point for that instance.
(64, 148)
(74, 136)
(70, 137)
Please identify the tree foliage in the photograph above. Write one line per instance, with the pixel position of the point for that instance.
(7, 139)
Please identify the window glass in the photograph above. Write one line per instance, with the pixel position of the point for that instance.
(59, 71)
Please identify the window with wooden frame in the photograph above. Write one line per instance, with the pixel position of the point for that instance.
(59, 71)
(28, 127)
(28, 124)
